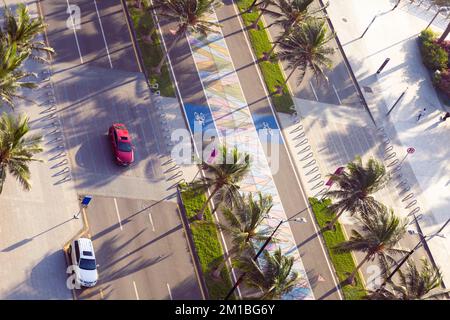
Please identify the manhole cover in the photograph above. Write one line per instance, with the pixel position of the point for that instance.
(344, 19)
(367, 89)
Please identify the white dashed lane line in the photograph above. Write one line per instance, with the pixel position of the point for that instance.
(118, 215)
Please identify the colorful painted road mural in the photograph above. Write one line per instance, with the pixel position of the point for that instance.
(228, 112)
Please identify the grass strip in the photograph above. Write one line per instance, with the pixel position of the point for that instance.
(343, 263)
(207, 244)
(271, 71)
(151, 51)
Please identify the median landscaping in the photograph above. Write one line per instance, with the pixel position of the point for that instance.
(271, 71)
(207, 243)
(343, 263)
(150, 48)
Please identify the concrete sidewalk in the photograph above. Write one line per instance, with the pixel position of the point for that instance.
(35, 225)
(394, 35)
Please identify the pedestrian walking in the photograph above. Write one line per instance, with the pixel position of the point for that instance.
(421, 114)
(446, 115)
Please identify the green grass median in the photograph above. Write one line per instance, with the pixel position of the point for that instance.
(343, 263)
(207, 244)
(271, 71)
(151, 52)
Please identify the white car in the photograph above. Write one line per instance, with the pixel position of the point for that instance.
(82, 254)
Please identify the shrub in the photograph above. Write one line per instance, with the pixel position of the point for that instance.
(442, 81)
(427, 35)
(433, 56)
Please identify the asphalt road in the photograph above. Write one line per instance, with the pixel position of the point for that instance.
(291, 194)
(339, 89)
(97, 82)
(141, 250)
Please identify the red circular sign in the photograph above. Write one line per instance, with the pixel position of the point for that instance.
(410, 150)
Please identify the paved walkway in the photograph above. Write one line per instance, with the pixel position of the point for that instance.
(393, 35)
(35, 225)
(233, 122)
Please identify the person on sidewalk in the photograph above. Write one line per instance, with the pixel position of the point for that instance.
(421, 114)
(446, 115)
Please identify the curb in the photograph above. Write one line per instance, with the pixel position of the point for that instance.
(137, 50)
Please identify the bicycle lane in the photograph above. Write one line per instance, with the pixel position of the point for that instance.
(235, 125)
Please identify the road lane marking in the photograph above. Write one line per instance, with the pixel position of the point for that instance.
(313, 90)
(335, 91)
(103, 33)
(135, 290)
(151, 221)
(170, 292)
(74, 31)
(117, 212)
(101, 294)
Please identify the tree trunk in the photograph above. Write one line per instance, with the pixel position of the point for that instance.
(351, 278)
(157, 69)
(445, 34)
(218, 270)
(255, 23)
(250, 9)
(2, 176)
(330, 224)
(148, 38)
(202, 210)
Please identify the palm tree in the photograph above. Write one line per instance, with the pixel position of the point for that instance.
(288, 15)
(306, 47)
(11, 74)
(413, 284)
(190, 16)
(244, 225)
(262, 5)
(223, 177)
(381, 232)
(274, 277)
(23, 30)
(356, 188)
(16, 150)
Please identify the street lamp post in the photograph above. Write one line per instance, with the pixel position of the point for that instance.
(434, 17)
(418, 245)
(376, 16)
(396, 5)
(238, 282)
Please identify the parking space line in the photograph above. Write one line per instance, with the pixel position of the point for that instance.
(313, 90)
(74, 31)
(117, 212)
(103, 33)
(151, 221)
(135, 290)
(170, 292)
(335, 91)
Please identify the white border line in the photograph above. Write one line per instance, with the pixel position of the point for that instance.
(74, 31)
(332, 271)
(313, 90)
(337, 95)
(170, 292)
(103, 33)
(135, 291)
(117, 212)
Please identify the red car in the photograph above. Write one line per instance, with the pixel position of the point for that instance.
(123, 150)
